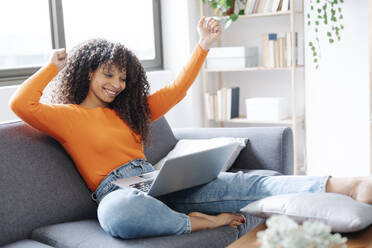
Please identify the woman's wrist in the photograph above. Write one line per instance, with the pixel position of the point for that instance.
(204, 45)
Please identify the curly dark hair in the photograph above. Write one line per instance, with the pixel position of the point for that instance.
(71, 86)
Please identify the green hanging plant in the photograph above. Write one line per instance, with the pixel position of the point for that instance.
(224, 10)
(329, 13)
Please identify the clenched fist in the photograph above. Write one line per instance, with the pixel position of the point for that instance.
(209, 30)
(59, 58)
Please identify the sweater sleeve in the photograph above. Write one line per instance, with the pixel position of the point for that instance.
(164, 99)
(48, 118)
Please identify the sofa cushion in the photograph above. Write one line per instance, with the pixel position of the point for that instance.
(27, 243)
(39, 183)
(88, 233)
(162, 141)
(256, 172)
(187, 146)
(268, 147)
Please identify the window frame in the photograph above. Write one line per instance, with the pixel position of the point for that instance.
(58, 41)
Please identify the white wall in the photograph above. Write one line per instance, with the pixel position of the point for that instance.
(179, 22)
(337, 99)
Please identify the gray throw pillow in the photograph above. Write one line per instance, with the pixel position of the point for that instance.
(342, 213)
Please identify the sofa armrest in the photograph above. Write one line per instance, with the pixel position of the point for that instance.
(268, 148)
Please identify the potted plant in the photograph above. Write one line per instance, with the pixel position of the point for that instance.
(224, 10)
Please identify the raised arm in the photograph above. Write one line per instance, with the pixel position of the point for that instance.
(164, 99)
(51, 119)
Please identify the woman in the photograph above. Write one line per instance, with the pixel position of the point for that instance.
(102, 114)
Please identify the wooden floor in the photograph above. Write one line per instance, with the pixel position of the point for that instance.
(362, 239)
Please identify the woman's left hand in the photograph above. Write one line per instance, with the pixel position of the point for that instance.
(209, 31)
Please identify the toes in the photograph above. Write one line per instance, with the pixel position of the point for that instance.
(235, 223)
(241, 218)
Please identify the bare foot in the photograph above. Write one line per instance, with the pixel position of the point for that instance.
(363, 190)
(223, 219)
(359, 188)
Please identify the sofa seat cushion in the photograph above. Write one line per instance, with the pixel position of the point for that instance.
(88, 234)
(27, 243)
(256, 172)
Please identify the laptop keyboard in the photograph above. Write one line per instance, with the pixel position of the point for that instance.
(143, 186)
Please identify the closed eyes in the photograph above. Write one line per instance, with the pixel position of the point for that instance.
(110, 76)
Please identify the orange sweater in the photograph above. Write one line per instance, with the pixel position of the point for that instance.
(97, 139)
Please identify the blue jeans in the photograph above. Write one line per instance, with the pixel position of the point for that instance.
(129, 213)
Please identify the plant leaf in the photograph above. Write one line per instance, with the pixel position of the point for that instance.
(233, 17)
(227, 24)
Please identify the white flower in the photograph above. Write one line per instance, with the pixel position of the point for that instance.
(284, 232)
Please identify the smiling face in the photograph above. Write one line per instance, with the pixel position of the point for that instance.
(105, 84)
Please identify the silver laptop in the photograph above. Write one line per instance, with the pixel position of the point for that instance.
(182, 172)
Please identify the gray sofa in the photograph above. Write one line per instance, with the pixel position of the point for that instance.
(45, 203)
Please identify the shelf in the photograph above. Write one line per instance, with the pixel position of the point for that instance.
(260, 68)
(266, 14)
(269, 14)
(242, 119)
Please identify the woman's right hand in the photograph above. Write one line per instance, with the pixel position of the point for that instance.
(59, 58)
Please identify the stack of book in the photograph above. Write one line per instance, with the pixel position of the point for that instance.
(277, 51)
(222, 106)
(266, 6)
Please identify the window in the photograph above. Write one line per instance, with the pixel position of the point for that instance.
(35, 27)
(128, 22)
(25, 38)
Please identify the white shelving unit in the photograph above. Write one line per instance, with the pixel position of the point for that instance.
(295, 120)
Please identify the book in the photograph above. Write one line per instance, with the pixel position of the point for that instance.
(214, 100)
(281, 52)
(228, 103)
(265, 49)
(289, 50)
(285, 5)
(275, 5)
(224, 105)
(261, 6)
(256, 6)
(276, 53)
(219, 105)
(234, 112)
(272, 37)
(247, 6)
(251, 7)
(280, 6)
(268, 6)
(209, 106)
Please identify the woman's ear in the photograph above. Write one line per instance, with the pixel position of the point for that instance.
(90, 75)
